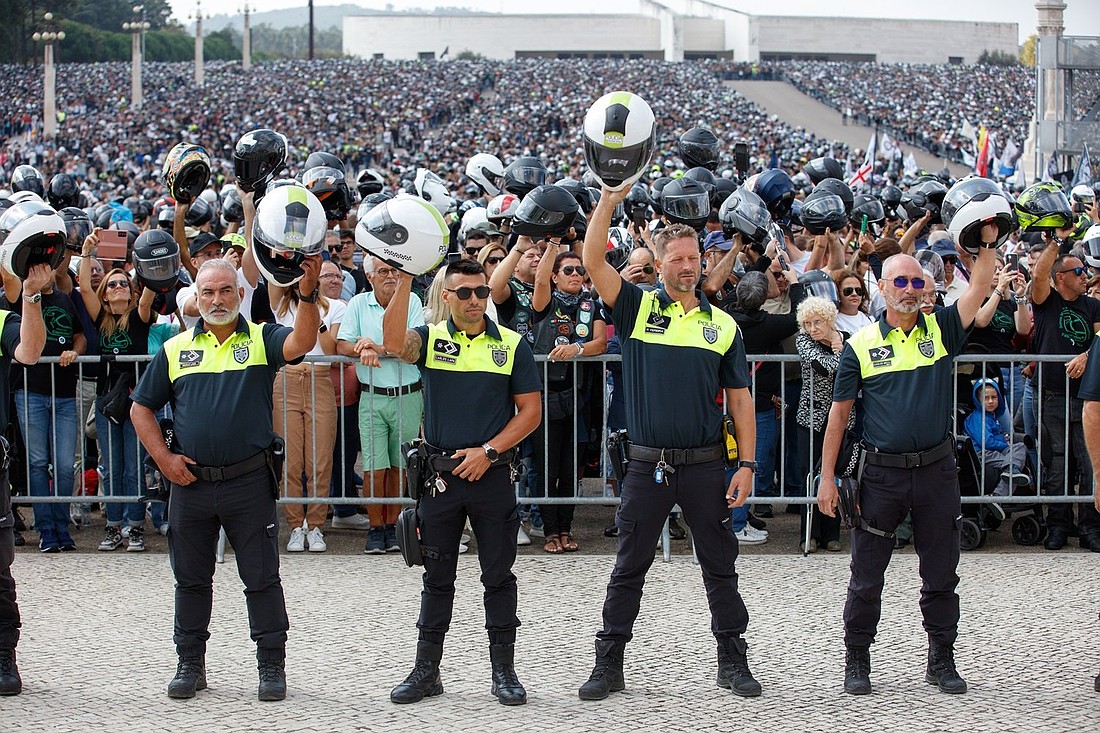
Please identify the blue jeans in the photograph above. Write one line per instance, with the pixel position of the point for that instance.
(767, 435)
(49, 430)
(121, 456)
(739, 515)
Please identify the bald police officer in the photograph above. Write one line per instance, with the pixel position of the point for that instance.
(22, 339)
(481, 398)
(903, 365)
(218, 377)
(679, 352)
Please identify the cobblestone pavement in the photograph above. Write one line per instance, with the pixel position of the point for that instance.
(96, 652)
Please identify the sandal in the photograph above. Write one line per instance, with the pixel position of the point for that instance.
(552, 546)
(567, 542)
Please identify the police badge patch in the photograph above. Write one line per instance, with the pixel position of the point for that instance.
(710, 334)
(927, 348)
(450, 348)
(500, 357)
(240, 355)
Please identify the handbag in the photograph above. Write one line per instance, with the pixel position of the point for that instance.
(115, 404)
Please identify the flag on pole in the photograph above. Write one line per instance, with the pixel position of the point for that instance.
(1052, 169)
(1084, 169)
(890, 149)
(911, 168)
(862, 176)
(981, 166)
(1009, 157)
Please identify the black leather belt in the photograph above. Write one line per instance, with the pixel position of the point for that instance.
(908, 460)
(441, 463)
(395, 391)
(230, 472)
(675, 456)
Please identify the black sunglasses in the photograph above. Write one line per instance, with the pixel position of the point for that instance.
(493, 260)
(852, 291)
(570, 269)
(901, 281)
(1078, 271)
(473, 250)
(464, 293)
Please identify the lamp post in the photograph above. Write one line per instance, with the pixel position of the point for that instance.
(49, 34)
(137, 28)
(246, 41)
(200, 72)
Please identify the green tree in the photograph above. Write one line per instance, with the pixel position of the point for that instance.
(1027, 51)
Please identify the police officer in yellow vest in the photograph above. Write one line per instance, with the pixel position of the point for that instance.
(218, 377)
(21, 339)
(903, 365)
(481, 398)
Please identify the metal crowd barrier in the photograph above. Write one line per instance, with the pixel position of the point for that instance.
(789, 489)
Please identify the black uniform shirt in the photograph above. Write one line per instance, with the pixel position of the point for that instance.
(9, 342)
(906, 380)
(220, 393)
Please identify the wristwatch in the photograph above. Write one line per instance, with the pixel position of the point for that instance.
(751, 465)
(32, 298)
(312, 297)
(491, 453)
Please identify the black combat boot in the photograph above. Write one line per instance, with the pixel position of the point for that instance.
(10, 682)
(607, 675)
(857, 670)
(190, 674)
(733, 667)
(271, 666)
(424, 680)
(506, 685)
(941, 669)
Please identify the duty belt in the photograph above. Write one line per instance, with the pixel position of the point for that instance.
(442, 463)
(395, 391)
(230, 472)
(908, 460)
(675, 456)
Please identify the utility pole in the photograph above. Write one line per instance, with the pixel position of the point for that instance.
(310, 30)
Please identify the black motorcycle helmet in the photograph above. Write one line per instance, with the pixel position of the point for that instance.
(370, 181)
(166, 218)
(685, 201)
(77, 227)
(546, 211)
(823, 210)
(745, 213)
(199, 214)
(320, 159)
(524, 175)
(580, 193)
(232, 207)
(324, 176)
(891, 200)
(27, 178)
(63, 192)
(257, 158)
(637, 201)
(868, 206)
(655, 189)
(699, 147)
(818, 283)
(723, 187)
(707, 180)
(924, 196)
(820, 169)
(133, 231)
(840, 188)
(157, 260)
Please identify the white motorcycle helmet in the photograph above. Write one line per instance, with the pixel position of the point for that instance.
(502, 208)
(31, 233)
(620, 133)
(486, 171)
(470, 220)
(432, 189)
(1091, 244)
(290, 226)
(972, 203)
(405, 232)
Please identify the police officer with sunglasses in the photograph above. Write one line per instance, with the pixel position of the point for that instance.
(470, 445)
(903, 365)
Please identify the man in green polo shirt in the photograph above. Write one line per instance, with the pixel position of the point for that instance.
(902, 364)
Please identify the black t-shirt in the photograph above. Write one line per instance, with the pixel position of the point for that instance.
(1066, 328)
(60, 317)
(362, 285)
(998, 335)
(9, 342)
(130, 341)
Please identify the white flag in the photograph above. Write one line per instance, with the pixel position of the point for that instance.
(911, 168)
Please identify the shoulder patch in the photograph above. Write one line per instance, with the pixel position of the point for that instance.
(190, 358)
(450, 348)
(881, 355)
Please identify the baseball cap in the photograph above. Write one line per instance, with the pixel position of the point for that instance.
(200, 242)
(717, 240)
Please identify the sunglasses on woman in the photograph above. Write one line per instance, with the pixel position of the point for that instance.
(118, 284)
(493, 260)
(464, 293)
(570, 269)
(853, 291)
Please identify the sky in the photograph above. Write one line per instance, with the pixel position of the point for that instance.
(1082, 16)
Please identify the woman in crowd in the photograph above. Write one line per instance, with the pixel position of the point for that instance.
(854, 301)
(122, 320)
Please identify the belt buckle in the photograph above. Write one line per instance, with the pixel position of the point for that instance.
(215, 473)
(393, 391)
(912, 460)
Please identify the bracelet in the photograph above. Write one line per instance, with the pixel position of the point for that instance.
(580, 349)
(312, 297)
(322, 329)
(999, 294)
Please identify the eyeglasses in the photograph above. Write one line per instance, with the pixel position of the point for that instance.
(118, 284)
(473, 251)
(949, 260)
(1078, 271)
(464, 293)
(332, 276)
(346, 242)
(852, 291)
(493, 260)
(902, 281)
(570, 269)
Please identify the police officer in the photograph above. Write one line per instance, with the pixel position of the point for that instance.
(1089, 392)
(481, 398)
(21, 339)
(218, 377)
(673, 336)
(903, 365)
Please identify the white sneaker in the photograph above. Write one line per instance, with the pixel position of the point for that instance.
(522, 538)
(316, 540)
(750, 536)
(355, 521)
(297, 541)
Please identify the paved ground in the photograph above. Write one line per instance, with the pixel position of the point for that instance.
(96, 651)
(796, 108)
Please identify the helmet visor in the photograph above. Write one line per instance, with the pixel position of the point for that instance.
(615, 165)
(529, 174)
(687, 206)
(1045, 209)
(699, 154)
(159, 269)
(323, 175)
(76, 231)
(1092, 247)
(530, 212)
(381, 226)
